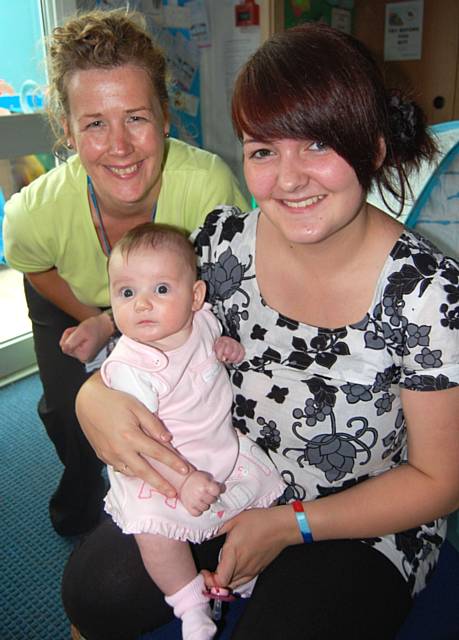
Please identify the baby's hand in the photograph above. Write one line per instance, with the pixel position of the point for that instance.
(199, 492)
(229, 350)
(86, 339)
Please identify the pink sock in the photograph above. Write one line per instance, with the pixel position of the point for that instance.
(193, 608)
(188, 597)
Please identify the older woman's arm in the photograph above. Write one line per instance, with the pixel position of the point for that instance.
(121, 430)
(92, 327)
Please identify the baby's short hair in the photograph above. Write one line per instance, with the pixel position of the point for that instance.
(152, 235)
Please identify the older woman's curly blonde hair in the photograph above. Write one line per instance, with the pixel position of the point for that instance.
(99, 40)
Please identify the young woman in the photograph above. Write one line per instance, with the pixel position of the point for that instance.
(109, 104)
(351, 370)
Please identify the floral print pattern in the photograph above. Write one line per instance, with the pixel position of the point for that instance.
(326, 403)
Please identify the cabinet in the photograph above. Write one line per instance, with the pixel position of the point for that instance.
(434, 79)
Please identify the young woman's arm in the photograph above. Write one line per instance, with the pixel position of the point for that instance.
(122, 430)
(425, 488)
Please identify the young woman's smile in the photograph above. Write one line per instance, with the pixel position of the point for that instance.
(305, 189)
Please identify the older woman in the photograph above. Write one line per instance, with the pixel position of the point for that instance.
(108, 92)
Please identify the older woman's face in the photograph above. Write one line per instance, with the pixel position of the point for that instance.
(117, 126)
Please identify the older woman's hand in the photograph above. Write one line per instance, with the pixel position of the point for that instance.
(122, 430)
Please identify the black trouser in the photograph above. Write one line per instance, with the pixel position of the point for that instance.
(76, 505)
(318, 591)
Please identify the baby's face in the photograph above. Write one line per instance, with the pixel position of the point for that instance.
(153, 296)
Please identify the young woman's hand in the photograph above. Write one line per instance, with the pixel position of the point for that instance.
(122, 431)
(253, 539)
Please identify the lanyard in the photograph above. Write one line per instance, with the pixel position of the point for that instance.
(105, 240)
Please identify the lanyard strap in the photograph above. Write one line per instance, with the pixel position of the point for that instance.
(103, 233)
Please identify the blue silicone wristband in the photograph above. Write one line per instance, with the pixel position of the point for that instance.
(302, 521)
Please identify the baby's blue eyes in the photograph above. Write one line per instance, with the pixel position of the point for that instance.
(162, 289)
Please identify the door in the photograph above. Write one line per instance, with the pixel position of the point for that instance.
(433, 78)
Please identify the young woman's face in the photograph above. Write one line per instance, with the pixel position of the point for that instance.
(305, 189)
(117, 127)
(153, 296)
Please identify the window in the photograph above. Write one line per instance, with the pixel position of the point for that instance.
(25, 145)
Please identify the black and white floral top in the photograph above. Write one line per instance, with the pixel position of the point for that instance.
(326, 403)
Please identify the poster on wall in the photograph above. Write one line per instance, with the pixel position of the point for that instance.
(107, 5)
(337, 13)
(232, 45)
(403, 30)
(181, 27)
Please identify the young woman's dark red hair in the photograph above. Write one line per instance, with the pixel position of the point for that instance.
(317, 83)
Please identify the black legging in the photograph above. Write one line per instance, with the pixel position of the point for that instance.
(76, 505)
(318, 591)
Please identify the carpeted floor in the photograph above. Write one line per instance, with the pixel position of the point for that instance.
(32, 555)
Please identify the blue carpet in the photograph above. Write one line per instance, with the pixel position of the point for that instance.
(32, 555)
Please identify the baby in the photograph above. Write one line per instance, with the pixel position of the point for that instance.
(170, 357)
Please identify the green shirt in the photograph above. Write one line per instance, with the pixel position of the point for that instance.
(48, 223)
